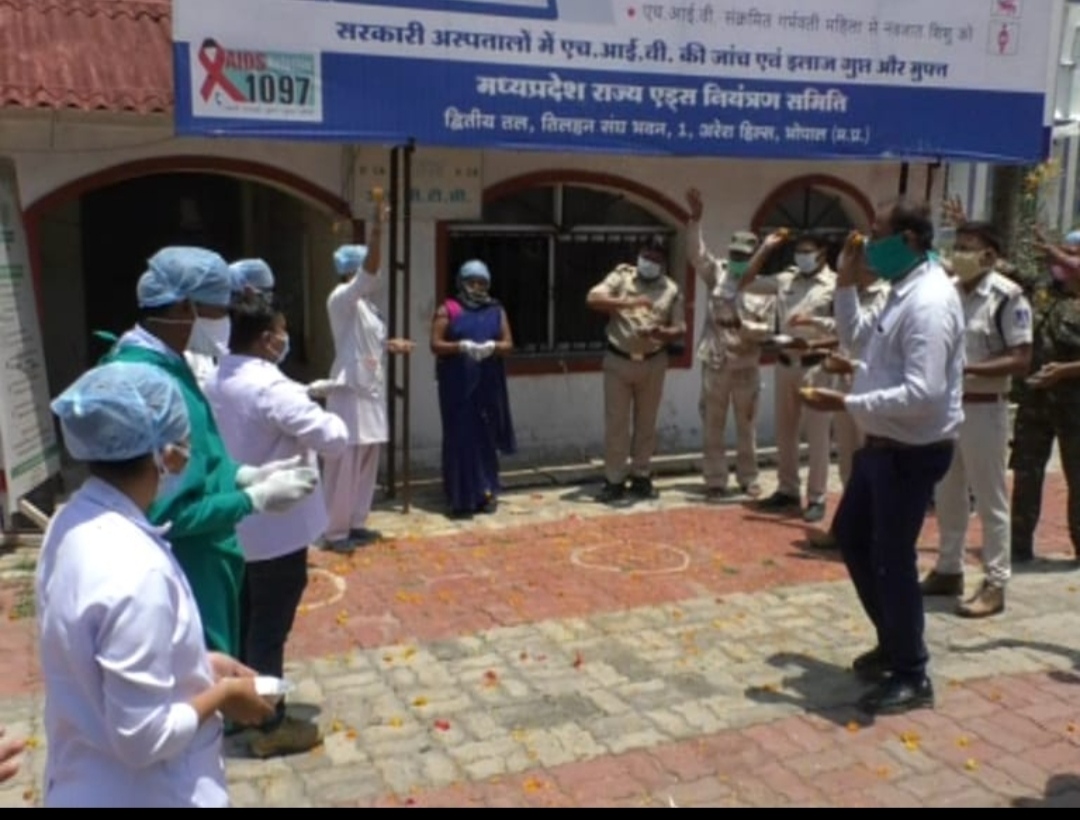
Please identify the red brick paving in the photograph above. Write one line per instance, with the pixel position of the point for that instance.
(432, 588)
(441, 587)
(925, 759)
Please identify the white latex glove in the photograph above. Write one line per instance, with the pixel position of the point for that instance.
(283, 489)
(320, 389)
(486, 349)
(247, 475)
(471, 349)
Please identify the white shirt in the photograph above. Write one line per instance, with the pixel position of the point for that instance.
(265, 416)
(909, 386)
(139, 336)
(359, 351)
(201, 365)
(122, 654)
(997, 318)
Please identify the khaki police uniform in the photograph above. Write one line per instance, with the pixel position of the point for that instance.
(810, 295)
(846, 432)
(998, 317)
(730, 354)
(634, 370)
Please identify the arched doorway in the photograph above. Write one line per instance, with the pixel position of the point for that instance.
(821, 205)
(93, 239)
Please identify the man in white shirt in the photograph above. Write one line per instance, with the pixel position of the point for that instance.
(264, 416)
(907, 399)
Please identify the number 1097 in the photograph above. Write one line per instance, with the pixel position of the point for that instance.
(278, 89)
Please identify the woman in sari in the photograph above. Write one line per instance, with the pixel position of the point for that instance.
(469, 336)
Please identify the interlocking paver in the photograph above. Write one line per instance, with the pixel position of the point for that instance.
(508, 667)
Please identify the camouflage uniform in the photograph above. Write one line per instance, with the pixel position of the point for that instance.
(1043, 415)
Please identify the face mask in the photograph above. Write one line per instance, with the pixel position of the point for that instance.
(737, 269)
(806, 262)
(967, 265)
(648, 270)
(890, 258)
(210, 337)
(169, 483)
(284, 354)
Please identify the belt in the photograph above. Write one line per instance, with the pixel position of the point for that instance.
(809, 360)
(982, 398)
(883, 443)
(634, 357)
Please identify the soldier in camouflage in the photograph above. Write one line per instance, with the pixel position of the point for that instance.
(1049, 401)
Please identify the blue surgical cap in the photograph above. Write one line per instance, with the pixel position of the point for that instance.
(348, 259)
(475, 269)
(121, 411)
(1072, 239)
(251, 273)
(180, 273)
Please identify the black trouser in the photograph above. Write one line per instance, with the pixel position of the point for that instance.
(271, 594)
(877, 528)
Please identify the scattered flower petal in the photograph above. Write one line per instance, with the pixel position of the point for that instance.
(342, 618)
(336, 726)
(352, 734)
(420, 703)
(854, 727)
(963, 742)
(579, 660)
(911, 741)
(533, 785)
(395, 723)
(491, 679)
(442, 725)
(971, 765)
(883, 772)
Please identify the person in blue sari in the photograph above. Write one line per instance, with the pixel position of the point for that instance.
(469, 336)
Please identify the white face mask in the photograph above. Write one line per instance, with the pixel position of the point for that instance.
(648, 270)
(210, 337)
(169, 483)
(806, 262)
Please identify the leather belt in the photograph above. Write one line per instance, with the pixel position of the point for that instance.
(634, 357)
(983, 398)
(883, 443)
(810, 360)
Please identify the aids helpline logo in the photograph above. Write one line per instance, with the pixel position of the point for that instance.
(251, 84)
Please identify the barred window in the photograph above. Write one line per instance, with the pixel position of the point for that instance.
(546, 248)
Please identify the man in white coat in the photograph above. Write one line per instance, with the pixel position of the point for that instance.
(265, 415)
(356, 391)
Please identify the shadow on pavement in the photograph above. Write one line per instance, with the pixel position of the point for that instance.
(817, 687)
(1062, 792)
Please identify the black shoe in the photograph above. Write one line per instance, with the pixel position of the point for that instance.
(872, 666)
(895, 697)
(611, 493)
(780, 502)
(814, 513)
(1023, 557)
(643, 488)
(489, 507)
(362, 537)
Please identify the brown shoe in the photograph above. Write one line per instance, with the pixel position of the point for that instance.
(822, 540)
(988, 601)
(936, 585)
(290, 737)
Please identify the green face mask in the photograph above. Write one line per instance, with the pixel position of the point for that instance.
(737, 269)
(891, 258)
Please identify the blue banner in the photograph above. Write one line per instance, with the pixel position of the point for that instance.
(842, 79)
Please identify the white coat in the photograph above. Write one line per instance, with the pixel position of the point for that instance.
(265, 416)
(201, 365)
(122, 654)
(358, 373)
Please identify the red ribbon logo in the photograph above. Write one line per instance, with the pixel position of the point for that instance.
(212, 59)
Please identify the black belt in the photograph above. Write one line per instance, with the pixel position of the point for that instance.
(810, 360)
(634, 357)
(883, 443)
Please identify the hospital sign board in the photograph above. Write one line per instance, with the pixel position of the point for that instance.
(817, 79)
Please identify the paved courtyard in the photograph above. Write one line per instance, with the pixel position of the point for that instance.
(675, 653)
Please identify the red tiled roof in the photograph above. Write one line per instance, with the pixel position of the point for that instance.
(89, 55)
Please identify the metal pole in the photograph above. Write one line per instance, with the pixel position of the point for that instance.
(406, 272)
(905, 172)
(392, 325)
